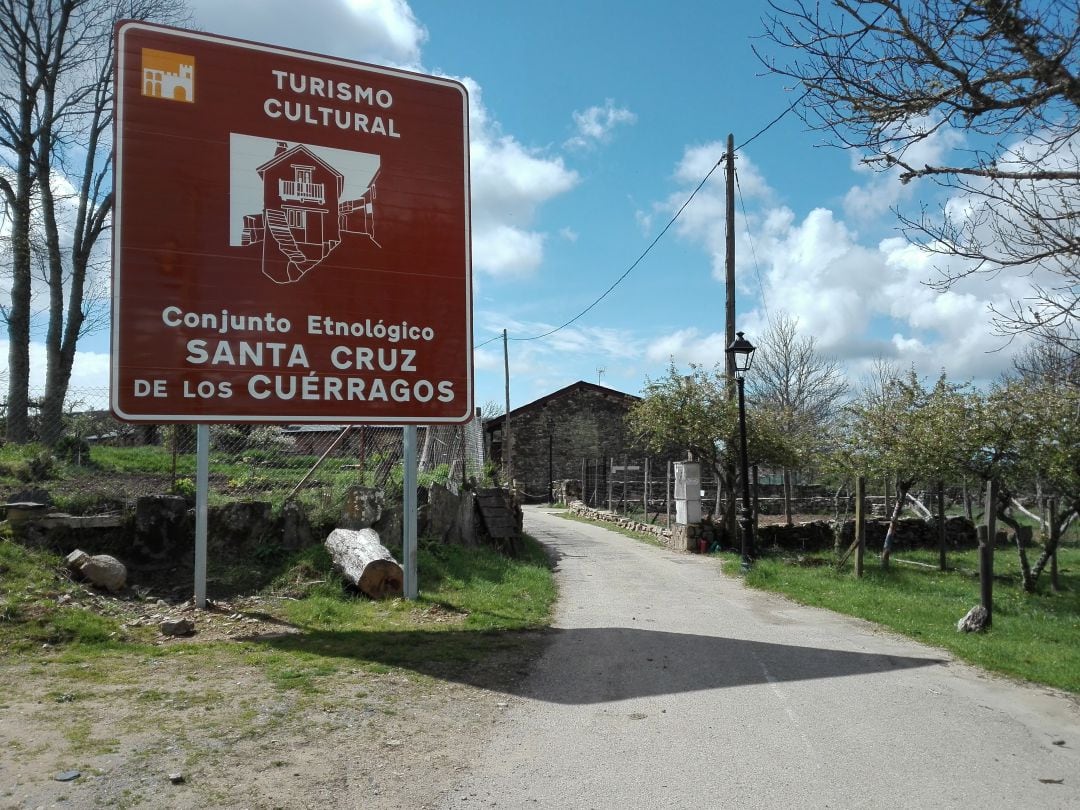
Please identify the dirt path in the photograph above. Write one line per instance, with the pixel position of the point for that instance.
(373, 737)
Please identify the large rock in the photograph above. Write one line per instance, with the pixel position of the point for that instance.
(442, 514)
(239, 527)
(31, 495)
(162, 527)
(364, 507)
(296, 530)
(101, 570)
(976, 620)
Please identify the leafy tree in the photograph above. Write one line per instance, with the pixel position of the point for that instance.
(895, 79)
(920, 433)
(1030, 439)
(56, 86)
(798, 388)
(693, 413)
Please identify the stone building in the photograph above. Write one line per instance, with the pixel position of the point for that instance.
(558, 435)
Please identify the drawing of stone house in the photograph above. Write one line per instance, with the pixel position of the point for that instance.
(303, 218)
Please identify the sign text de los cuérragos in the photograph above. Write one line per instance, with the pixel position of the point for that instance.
(291, 237)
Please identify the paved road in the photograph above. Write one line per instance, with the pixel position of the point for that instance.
(670, 686)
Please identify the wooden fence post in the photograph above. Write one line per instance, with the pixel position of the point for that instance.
(667, 495)
(987, 537)
(645, 498)
(942, 563)
(860, 523)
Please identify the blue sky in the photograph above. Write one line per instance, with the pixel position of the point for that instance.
(591, 123)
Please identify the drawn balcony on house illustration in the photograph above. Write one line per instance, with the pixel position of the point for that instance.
(295, 190)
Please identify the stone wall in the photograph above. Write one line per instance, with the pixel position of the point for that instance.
(810, 536)
(623, 522)
(915, 533)
(552, 436)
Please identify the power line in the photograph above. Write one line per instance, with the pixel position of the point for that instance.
(753, 252)
(775, 121)
(637, 261)
(660, 235)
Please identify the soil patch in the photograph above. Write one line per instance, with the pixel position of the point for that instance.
(202, 721)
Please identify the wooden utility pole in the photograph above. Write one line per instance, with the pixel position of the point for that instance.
(729, 264)
(729, 323)
(508, 451)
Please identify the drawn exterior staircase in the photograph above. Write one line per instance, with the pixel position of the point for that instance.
(278, 225)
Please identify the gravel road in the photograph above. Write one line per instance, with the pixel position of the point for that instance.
(668, 685)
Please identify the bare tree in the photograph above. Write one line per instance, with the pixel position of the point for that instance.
(56, 85)
(799, 385)
(1048, 363)
(886, 77)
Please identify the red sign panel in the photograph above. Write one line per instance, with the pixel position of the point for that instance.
(291, 236)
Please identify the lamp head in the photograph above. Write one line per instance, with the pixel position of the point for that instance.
(742, 350)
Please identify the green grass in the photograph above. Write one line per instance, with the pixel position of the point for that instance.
(473, 604)
(476, 609)
(1035, 637)
(31, 584)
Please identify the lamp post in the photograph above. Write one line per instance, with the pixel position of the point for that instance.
(741, 351)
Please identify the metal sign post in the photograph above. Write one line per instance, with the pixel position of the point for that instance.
(202, 493)
(408, 523)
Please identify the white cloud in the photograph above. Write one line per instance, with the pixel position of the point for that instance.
(857, 300)
(702, 221)
(686, 346)
(89, 374)
(384, 32)
(883, 190)
(596, 124)
(503, 250)
(509, 183)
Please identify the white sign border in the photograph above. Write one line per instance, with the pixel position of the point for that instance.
(114, 371)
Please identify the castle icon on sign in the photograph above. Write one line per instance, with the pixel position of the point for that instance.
(168, 75)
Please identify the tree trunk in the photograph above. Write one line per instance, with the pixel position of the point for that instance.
(18, 313)
(787, 497)
(902, 488)
(365, 562)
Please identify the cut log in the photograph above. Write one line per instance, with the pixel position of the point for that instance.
(365, 562)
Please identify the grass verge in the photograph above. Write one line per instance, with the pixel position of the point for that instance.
(1035, 637)
(474, 605)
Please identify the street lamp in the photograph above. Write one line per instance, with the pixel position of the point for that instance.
(742, 354)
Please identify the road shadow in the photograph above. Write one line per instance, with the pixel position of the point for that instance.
(594, 665)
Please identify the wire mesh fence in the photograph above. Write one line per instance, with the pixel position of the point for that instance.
(645, 488)
(253, 461)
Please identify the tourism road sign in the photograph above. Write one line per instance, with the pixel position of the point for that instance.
(291, 236)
